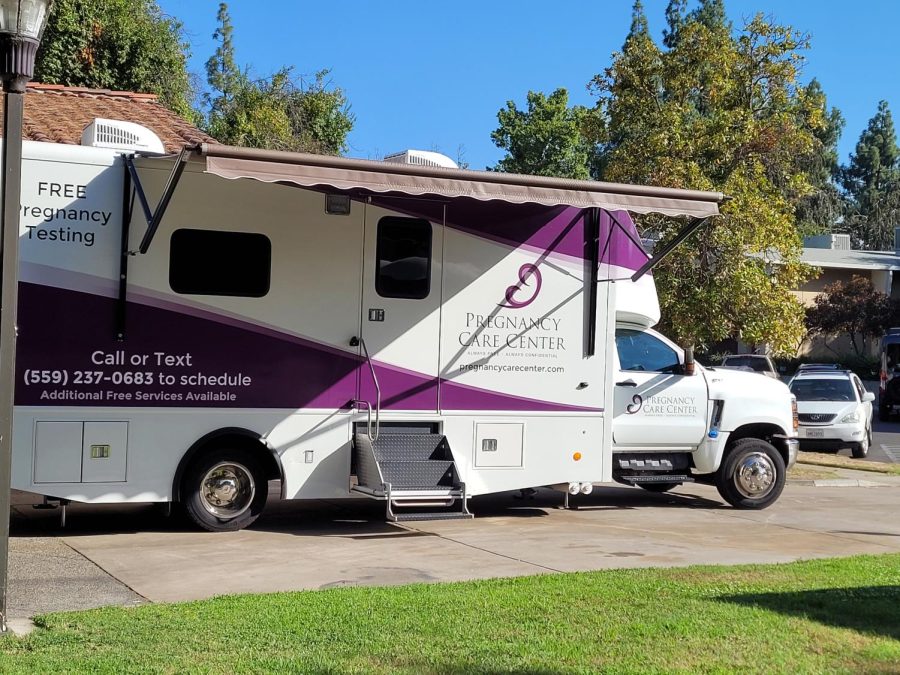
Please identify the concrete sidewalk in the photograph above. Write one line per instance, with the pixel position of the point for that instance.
(130, 554)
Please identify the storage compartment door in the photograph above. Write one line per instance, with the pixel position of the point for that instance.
(104, 452)
(57, 452)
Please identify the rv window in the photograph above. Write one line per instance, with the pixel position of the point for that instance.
(403, 258)
(208, 262)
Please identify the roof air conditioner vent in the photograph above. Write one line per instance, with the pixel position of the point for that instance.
(421, 158)
(119, 135)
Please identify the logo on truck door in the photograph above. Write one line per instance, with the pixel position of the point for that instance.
(527, 272)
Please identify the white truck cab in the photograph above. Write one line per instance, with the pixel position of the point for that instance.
(674, 421)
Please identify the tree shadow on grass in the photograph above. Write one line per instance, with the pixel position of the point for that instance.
(866, 609)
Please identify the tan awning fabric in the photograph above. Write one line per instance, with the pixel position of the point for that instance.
(349, 174)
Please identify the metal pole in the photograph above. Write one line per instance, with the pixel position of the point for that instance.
(13, 108)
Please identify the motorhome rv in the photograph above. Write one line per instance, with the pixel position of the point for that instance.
(192, 327)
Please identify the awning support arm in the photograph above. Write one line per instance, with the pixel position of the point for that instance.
(127, 211)
(154, 217)
(686, 232)
(592, 242)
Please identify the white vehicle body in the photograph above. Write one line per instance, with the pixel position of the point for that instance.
(835, 411)
(421, 309)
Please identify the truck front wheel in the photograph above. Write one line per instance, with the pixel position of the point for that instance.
(752, 474)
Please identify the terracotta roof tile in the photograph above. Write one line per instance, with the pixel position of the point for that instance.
(58, 114)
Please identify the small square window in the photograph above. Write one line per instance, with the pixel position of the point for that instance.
(403, 258)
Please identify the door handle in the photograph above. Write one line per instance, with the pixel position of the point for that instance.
(626, 383)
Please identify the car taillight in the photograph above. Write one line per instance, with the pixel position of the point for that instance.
(794, 416)
(883, 378)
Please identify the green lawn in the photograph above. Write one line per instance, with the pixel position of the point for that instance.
(828, 615)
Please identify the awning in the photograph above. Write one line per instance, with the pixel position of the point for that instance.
(307, 170)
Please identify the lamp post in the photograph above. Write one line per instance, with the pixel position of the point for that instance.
(21, 25)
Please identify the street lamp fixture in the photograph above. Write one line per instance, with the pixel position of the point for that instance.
(21, 26)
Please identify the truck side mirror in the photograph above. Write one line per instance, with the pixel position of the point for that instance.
(689, 361)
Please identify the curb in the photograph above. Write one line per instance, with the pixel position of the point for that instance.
(837, 482)
(20, 627)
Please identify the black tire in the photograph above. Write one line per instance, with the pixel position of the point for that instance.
(861, 450)
(752, 474)
(884, 415)
(234, 470)
(658, 487)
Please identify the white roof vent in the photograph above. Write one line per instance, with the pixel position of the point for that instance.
(421, 158)
(119, 135)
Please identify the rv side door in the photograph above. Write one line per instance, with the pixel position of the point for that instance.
(401, 298)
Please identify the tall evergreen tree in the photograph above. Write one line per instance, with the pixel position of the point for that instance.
(711, 13)
(639, 27)
(872, 182)
(675, 19)
(222, 72)
(823, 209)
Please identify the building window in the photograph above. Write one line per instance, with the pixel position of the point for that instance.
(403, 258)
(210, 262)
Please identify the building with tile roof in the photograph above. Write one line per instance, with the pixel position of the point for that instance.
(58, 114)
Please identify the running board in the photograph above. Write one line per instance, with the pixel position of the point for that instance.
(654, 478)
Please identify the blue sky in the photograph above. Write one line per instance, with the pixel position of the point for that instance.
(432, 75)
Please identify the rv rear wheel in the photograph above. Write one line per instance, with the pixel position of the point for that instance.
(752, 474)
(225, 490)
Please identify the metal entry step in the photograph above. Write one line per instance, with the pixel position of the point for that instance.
(409, 470)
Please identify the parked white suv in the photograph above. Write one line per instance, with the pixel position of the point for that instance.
(835, 411)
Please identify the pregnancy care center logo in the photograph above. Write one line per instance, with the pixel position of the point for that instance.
(515, 331)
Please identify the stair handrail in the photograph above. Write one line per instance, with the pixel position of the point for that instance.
(372, 437)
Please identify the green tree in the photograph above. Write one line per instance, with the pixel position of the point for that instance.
(720, 110)
(117, 44)
(280, 112)
(546, 139)
(854, 309)
(872, 183)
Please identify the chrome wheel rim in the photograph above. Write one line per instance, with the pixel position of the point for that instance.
(755, 475)
(227, 490)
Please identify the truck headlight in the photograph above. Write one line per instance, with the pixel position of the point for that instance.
(851, 418)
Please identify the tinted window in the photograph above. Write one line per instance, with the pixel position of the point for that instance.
(892, 354)
(823, 390)
(759, 364)
(403, 257)
(643, 351)
(208, 262)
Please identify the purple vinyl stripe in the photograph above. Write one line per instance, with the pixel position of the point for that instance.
(62, 331)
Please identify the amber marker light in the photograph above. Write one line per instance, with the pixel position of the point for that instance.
(576, 456)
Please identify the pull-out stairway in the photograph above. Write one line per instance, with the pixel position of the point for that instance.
(410, 470)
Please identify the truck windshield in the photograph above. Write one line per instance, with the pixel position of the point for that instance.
(823, 390)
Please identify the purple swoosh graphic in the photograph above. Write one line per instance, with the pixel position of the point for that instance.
(213, 362)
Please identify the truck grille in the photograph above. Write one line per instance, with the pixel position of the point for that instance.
(816, 418)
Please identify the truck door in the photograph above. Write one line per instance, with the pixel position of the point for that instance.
(401, 297)
(655, 407)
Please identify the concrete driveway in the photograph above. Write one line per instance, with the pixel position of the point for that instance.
(131, 554)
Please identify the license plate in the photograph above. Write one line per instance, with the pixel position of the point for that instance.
(815, 433)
